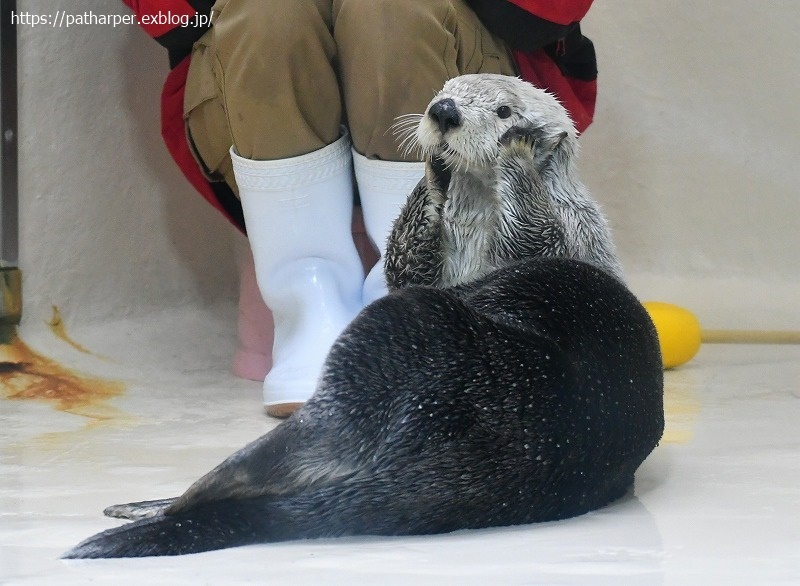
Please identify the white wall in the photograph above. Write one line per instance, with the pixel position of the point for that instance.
(109, 226)
(694, 155)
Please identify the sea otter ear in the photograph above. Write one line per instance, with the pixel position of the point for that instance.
(547, 147)
(553, 142)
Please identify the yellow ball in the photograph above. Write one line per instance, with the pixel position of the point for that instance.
(678, 332)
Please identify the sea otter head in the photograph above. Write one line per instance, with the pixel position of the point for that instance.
(464, 123)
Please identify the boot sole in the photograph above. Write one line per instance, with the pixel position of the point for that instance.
(282, 410)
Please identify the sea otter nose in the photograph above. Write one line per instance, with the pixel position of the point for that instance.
(445, 113)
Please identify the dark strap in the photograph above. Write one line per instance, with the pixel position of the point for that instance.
(179, 40)
(575, 56)
(519, 28)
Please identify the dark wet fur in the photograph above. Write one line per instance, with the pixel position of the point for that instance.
(530, 395)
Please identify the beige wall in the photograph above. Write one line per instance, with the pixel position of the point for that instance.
(694, 155)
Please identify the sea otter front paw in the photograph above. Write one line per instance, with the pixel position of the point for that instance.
(440, 173)
(529, 144)
(519, 140)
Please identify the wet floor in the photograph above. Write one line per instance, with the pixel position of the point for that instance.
(154, 407)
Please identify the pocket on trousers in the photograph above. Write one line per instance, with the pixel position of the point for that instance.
(478, 50)
(203, 114)
(466, 48)
(497, 57)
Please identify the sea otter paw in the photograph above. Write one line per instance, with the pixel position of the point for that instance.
(440, 174)
(139, 510)
(518, 140)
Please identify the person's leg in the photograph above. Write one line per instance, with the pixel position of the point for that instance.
(306, 264)
(262, 79)
(265, 75)
(393, 58)
(253, 357)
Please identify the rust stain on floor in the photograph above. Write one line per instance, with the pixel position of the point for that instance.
(33, 377)
(58, 328)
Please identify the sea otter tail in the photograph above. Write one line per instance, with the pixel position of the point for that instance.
(214, 525)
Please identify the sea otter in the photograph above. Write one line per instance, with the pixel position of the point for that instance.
(510, 376)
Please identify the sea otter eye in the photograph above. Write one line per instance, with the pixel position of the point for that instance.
(504, 112)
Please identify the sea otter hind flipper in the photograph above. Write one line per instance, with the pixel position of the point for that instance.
(215, 525)
(138, 510)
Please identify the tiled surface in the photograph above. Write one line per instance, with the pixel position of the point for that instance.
(717, 503)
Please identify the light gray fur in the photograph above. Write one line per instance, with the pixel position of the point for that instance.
(513, 190)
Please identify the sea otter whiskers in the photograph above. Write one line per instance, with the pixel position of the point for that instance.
(529, 390)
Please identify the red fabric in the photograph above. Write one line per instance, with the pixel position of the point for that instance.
(173, 130)
(160, 16)
(561, 12)
(577, 96)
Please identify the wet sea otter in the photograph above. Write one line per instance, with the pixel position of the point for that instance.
(509, 378)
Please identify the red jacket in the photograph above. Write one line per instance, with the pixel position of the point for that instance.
(558, 12)
(545, 36)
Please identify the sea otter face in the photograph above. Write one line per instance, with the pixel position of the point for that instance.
(463, 124)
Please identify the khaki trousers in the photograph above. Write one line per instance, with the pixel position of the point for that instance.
(277, 78)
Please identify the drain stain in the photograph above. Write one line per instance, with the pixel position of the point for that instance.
(33, 377)
(58, 328)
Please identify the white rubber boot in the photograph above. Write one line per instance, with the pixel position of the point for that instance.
(298, 215)
(384, 187)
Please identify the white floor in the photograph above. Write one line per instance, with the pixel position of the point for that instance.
(718, 502)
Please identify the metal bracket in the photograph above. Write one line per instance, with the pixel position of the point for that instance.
(10, 276)
(9, 172)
